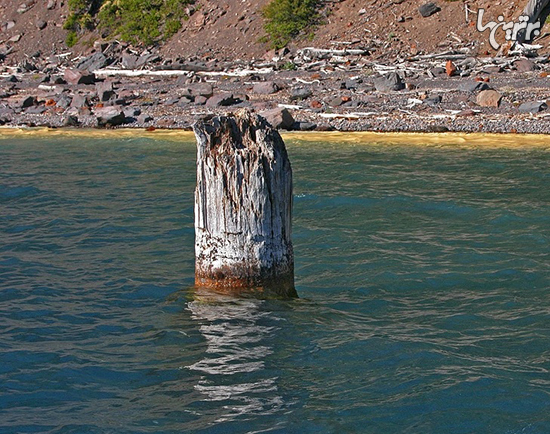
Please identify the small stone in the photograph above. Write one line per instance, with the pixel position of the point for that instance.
(41, 24)
(524, 65)
(300, 93)
(389, 83)
(15, 38)
(335, 101)
(51, 4)
(315, 104)
(488, 98)
(466, 112)
(428, 9)
(438, 70)
(279, 118)
(472, 86)
(24, 7)
(450, 68)
(434, 100)
(532, 107)
(265, 88)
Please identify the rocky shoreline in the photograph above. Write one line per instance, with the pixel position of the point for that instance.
(312, 89)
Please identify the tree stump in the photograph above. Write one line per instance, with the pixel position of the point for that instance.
(243, 207)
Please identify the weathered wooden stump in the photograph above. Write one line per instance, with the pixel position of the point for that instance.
(243, 207)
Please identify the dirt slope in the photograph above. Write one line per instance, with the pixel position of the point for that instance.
(232, 29)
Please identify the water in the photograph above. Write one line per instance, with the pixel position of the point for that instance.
(423, 275)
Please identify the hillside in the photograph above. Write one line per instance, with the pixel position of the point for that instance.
(233, 29)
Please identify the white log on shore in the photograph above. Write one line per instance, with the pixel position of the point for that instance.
(243, 207)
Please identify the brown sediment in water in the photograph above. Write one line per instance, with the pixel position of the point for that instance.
(360, 138)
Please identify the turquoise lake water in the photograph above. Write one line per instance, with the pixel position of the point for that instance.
(423, 274)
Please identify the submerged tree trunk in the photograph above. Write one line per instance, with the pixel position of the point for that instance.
(243, 207)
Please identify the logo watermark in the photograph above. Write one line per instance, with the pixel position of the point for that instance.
(510, 28)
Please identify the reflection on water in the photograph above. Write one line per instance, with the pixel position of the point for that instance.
(237, 337)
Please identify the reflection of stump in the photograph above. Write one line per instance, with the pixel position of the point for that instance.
(243, 207)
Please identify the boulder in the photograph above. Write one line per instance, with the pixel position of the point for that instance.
(532, 107)
(265, 88)
(18, 102)
(71, 121)
(303, 126)
(79, 101)
(279, 118)
(94, 62)
(388, 83)
(75, 76)
(428, 9)
(221, 100)
(488, 98)
(200, 89)
(104, 90)
(110, 116)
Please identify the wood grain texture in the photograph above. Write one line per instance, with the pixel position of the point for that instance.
(243, 207)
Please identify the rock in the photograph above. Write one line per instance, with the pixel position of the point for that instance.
(200, 89)
(71, 121)
(24, 102)
(466, 112)
(433, 100)
(131, 112)
(7, 26)
(94, 62)
(144, 118)
(104, 90)
(336, 101)
(524, 65)
(389, 82)
(221, 100)
(450, 68)
(200, 100)
(303, 126)
(24, 7)
(428, 9)
(352, 84)
(279, 118)
(265, 88)
(79, 101)
(41, 24)
(51, 4)
(63, 102)
(532, 107)
(15, 38)
(488, 98)
(74, 76)
(437, 128)
(110, 116)
(129, 61)
(28, 66)
(472, 86)
(300, 93)
(12, 79)
(36, 110)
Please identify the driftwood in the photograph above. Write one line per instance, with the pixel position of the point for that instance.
(243, 207)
